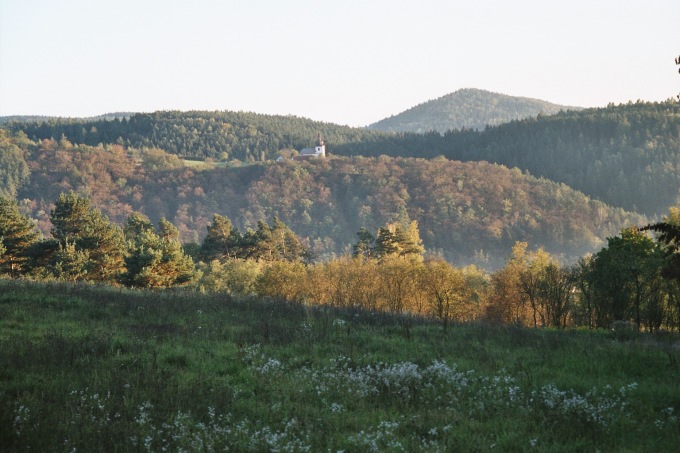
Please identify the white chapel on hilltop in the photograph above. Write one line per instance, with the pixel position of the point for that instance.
(318, 151)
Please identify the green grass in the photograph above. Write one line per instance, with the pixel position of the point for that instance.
(108, 369)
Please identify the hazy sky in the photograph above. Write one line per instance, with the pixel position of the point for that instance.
(347, 62)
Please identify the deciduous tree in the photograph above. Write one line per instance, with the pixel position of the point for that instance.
(507, 304)
(446, 289)
(623, 276)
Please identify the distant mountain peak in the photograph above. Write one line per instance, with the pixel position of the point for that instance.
(468, 108)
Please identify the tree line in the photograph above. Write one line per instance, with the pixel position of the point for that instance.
(85, 246)
(633, 281)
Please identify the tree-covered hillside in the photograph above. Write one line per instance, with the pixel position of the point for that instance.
(242, 136)
(466, 109)
(471, 211)
(625, 155)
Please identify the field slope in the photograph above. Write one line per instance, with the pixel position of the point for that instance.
(103, 369)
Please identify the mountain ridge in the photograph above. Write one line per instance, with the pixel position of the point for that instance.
(39, 118)
(467, 108)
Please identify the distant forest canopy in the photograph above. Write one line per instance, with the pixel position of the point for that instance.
(467, 109)
(42, 118)
(625, 155)
(243, 136)
(467, 212)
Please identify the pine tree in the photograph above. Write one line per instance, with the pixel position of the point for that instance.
(155, 257)
(136, 225)
(70, 217)
(175, 267)
(399, 240)
(272, 243)
(386, 242)
(222, 241)
(366, 244)
(410, 244)
(14, 171)
(143, 252)
(70, 263)
(17, 233)
(2, 248)
(668, 234)
(287, 245)
(264, 246)
(76, 222)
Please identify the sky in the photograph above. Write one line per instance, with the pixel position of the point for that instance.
(350, 62)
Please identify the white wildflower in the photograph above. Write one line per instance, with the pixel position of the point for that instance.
(337, 408)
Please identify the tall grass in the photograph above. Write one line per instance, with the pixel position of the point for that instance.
(90, 368)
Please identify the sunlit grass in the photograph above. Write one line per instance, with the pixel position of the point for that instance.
(105, 369)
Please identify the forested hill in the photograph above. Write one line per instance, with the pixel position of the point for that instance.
(466, 109)
(224, 135)
(470, 212)
(625, 155)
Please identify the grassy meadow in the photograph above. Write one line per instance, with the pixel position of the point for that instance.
(87, 368)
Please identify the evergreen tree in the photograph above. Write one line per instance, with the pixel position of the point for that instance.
(399, 240)
(70, 217)
(222, 241)
(409, 241)
(155, 258)
(17, 234)
(70, 263)
(273, 243)
(386, 242)
(260, 243)
(14, 171)
(176, 267)
(288, 245)
(669, 235)
(366, 244)
(136, 225)
(143, 245)
(76, 222)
